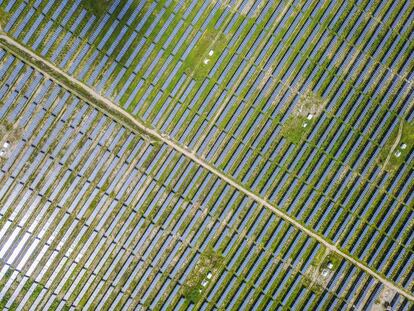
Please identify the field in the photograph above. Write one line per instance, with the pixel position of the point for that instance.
(281, 175)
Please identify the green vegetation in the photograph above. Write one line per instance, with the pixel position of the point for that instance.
(303, 117)
(4, 125)
(199, 62)
(294, 128)
(209, 262)
(319, 257)
(310, 103)
(3, 17)
(97, 8)
(403, 144)
(332, 258)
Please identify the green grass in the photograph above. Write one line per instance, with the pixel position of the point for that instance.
(210, 40)
(3, 18)
(407, 137)
(97, 8)
(311, 103)
(208, 261)
(7, 132)
(293, 129)
(4, 125)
